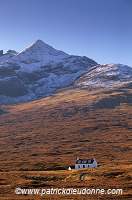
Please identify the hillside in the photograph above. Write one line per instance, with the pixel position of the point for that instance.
(49, 134)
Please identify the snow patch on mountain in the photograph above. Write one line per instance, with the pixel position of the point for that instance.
(8, 55)
(38, 52)
(105, 75)
(38, 71)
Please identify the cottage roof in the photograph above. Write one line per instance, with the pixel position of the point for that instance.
(84, 161)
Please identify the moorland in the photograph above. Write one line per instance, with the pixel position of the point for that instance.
(41, 139)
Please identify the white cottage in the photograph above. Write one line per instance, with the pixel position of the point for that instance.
(84, 163)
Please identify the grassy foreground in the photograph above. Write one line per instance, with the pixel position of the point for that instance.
(108, 177)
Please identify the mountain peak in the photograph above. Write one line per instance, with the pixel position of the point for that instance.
(38, 71)
(40, 52)
(38, 45)
(38, 41)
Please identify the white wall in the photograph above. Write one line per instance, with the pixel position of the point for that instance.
(94, 164)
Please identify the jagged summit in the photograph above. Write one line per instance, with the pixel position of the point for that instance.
(39, 52)
(42, 47)
(39, 42)
(39, 45)
(9, 54)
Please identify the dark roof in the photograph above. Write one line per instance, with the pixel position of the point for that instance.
(84, 161)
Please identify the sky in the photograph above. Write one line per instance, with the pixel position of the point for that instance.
(98, 29)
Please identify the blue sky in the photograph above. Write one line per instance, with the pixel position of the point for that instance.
(98, 29)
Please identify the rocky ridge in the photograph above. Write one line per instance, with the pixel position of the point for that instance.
(37, 72)
(106, 75)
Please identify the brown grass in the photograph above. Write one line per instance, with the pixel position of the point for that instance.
(49, 134)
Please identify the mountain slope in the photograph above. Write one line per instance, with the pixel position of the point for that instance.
(105, 76)
(39, 71)
(80, 123)
(50, 133)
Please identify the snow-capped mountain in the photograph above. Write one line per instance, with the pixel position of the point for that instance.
(105, 75)
(37, 72)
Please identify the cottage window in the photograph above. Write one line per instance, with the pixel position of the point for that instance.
(78, 166)
(83, 166)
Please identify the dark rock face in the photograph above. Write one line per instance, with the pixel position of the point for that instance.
(12, 87)
(1, 52)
